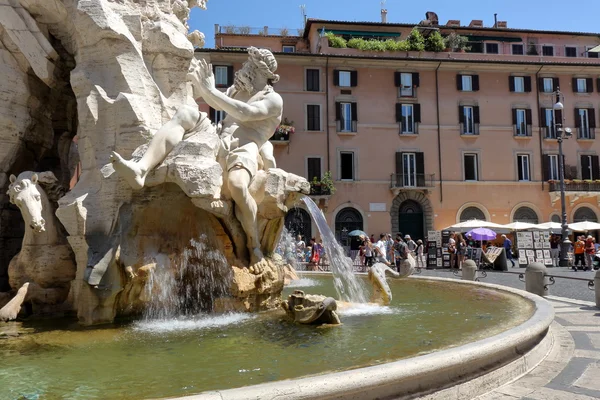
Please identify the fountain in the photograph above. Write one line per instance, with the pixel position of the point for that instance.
(163, 252)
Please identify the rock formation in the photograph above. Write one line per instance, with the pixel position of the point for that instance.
(311, 309)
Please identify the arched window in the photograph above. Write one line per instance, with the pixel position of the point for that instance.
(347, 220)
(555, 218)
(471, 213)
(585, 214)
(526, 214)
(298, 222)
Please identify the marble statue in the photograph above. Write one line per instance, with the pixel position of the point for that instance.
(253, 112)
(382, 294)
(44, 268)
(311, 309)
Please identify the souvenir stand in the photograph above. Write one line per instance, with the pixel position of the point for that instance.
(444, 254)
(434, 249)
(533, 246)
(494, 258)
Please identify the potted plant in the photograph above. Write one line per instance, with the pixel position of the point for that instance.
(457, 43)
(327, 183)
(532, 50)
(284, 130)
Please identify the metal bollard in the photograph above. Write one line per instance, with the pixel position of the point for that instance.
(597, 287)
(469, 270)
(535, 279)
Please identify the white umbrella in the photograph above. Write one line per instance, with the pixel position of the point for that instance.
(520, 226)
(584, 226)
(553, 226)
(474, 223)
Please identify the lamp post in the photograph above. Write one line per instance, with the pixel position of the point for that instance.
(560, 135)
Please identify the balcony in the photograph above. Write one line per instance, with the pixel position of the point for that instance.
(403, 182)
(280, 138)
(316, 189)
(575, 186)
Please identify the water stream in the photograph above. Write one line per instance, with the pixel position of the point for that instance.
(347, 285)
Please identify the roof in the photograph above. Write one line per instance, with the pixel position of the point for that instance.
(311, 21)
(594, 50)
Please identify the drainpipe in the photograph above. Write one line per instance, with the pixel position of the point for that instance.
(327, 108)
(539, 111)
(437, 109)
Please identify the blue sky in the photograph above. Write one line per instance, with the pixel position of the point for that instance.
(578, 15)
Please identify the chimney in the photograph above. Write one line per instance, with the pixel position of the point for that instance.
(476, 23)
(495, 20)
(453, 22)
(502, 24)
(383, 16)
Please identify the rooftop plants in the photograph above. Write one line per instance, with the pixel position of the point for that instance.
(456, 42)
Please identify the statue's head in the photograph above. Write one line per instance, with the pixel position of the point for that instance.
(26, 193)
(261, 64)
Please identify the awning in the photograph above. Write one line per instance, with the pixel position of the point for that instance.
(363, 33)
(594, 50)
(494, 38)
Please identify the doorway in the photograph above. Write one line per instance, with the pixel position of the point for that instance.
(410, 219)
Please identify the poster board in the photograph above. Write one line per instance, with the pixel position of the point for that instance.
(434, 249)
(444, 245)
(533, 246)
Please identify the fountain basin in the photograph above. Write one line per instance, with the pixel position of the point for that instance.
(439, 330)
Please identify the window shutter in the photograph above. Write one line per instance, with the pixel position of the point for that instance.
(528, 116)
(527, 80)
(511, 83)
(229, 75)
(459, 82)
(577, 120)
(555, 84)
(476, 114)
(461, 114)
(399, 179)
(589, 85)
(211, 114)
(540, 84)
(592, 117)
(354, 112)
(397, 79)
(336, 78)
(543, 116)
(585, 167)
(514, 116)
(595, 168)
(338, 111)
(415, 79)
(574, 84)
(475, 79)
(420, 168)
(598, 84)
(353, 78)
(398, 112)
(546, 167)
(417, 112)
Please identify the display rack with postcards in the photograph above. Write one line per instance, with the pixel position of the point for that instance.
(533, 246)
(434, 249)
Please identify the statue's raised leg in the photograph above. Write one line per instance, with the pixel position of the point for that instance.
(164, 140)
(31, 291)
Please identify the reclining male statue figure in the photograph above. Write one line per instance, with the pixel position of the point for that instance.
(253, 112)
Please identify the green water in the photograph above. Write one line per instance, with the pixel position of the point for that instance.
(177, 358)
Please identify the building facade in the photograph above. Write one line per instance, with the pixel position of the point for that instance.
(420, 140)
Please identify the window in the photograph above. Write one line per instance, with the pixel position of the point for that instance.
(581, 86)
(571, 51)
(591, 54)
(548, 51)
(470, 213)
(409, 165)
(471, 167)
(491, 48)
(222, 76)
(517, 49)
(551, 167)
(289, 49)
(589, 167)
(345, 78)
(585, 121)
(519, 84)
(407, 83)
(548, 85)
(467, 83)
(523, 167)
(313, 168)
(216, 116)
(408, 121)
(526, 214)
(521, 120)
(312, 80)
(585, 214)
(468, 117)
(313, 117)
(548, 122)
(346, 117)
(347, 165)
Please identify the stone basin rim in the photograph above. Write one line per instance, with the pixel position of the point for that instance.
(416, 375)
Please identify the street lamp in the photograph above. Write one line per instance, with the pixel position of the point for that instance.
(560, 135)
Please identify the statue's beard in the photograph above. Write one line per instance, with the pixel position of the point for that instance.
(243, 82)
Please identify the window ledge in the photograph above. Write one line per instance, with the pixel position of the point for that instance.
(316, 131)
(549, 139)
(408, 134)
(279, 142)
(522, 137)
(408, 98)
(347, 133)
(469, 135)
(585, 140)
(582, 93)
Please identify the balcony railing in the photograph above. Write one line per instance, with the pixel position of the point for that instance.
(280, 137)
(410, 181)
(580, 186)
(316, 189)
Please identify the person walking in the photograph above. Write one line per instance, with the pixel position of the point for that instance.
(389, 247)
(461, 250)
(507, 244)
(381, 250)
(419, 251)
(300, 248)
(555, 250)
(579, 253)
(412, 246)
(590, 251)
(400, 251)
(368, 252)
(452, 249)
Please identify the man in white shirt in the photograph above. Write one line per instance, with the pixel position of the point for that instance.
(412, 246)
(300, 248)
(381, 250)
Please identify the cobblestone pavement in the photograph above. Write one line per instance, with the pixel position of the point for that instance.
(571, 289)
